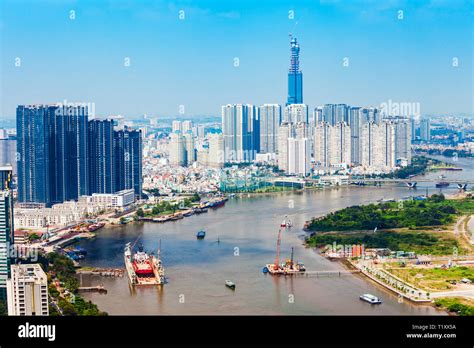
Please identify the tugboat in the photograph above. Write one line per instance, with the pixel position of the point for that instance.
(285, 268)
(143, 269)
(370, 299)
(230, 284)
(201, 234)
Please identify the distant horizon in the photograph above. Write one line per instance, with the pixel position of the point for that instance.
(191, 117)
(133, 59)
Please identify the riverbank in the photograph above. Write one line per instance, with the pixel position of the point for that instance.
(247, 229)
(391, 256)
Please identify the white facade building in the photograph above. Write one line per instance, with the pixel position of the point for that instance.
(378, 144)
(27, 290)
(187, 126)
(239, 128)
(120, 199)
(190, 153)
(70, 212)
(295, 113)
(284, 132)
(332, 144)
(177, 151)
(299, 156)
(177, 126)
(216, 150)
(270, 119)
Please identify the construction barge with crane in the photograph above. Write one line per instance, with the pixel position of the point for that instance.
(289, 267)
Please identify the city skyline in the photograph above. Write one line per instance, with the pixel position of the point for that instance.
(165, 73)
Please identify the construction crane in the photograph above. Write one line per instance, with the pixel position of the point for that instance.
(277, 259)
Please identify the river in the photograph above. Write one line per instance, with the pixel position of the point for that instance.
(247, 229)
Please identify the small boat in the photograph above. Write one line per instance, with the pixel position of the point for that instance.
(230, 284)
(286, 223)
(442, 184)
(370, 299)
(201, 234)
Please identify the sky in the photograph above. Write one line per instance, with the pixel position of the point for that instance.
(183, 55)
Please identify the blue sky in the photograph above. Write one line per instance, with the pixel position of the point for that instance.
(190, 62)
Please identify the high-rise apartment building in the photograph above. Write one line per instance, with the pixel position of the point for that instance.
(6, 225)
(6, 177)
(329, 114)
(240, 128)
(101, 155)
(301, 129)
(53, 164)
(35, 163)
(190, 152)
(63, 155)
(425, 130)
(295, 113)
(284, 132)
(413, 128)
(128, 160)
(332, 144)
(355, 124)
(177, 151)
(342, 113)
(177, 126)
(270, 119)
(403, 136)
(378, 145)
(27, 291)
(7, 149)
(299, 156)
(317, 116)
(370, 115)
(70, 155)
(187, 126)
(201, 132)
(216, 150)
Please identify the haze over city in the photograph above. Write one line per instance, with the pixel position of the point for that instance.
(122, 57)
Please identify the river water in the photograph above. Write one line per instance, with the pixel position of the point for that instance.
(247, 229)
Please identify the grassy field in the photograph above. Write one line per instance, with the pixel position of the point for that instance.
(435, 279)
(460, 306)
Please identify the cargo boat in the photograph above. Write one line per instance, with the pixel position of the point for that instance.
(95, 227)
(217, 203)
(143, 269)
